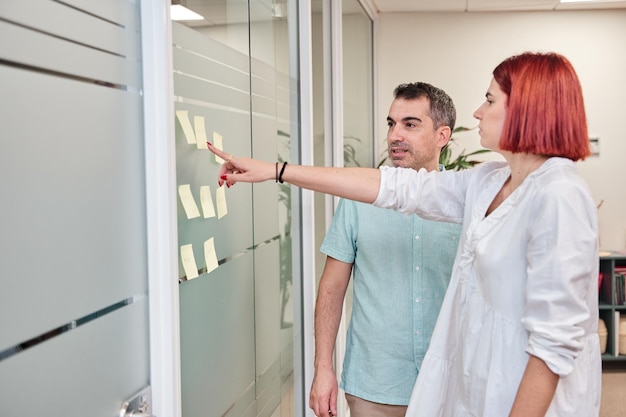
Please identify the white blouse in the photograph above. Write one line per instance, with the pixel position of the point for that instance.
(524, 283)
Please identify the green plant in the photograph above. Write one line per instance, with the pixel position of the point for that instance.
(349, 152)
(462, 161)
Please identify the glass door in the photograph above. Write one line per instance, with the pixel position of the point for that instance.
(233, 86)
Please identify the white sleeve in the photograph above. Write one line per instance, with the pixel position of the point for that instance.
(562, 274)
(438, 196)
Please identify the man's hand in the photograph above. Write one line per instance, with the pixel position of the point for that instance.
(323, 399)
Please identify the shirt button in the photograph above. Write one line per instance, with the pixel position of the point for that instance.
(417, 237)
(417, 268)
(417, 332)
(417, 300)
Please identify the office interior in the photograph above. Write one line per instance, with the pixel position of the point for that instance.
(131, 281)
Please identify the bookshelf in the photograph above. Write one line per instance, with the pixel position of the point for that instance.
(611, 302)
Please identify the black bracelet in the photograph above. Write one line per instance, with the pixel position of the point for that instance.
(276, 177)
(280, 176)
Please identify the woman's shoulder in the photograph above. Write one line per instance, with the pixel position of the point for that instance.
(489, 166)
(559, 172)
(558, 179)
(493, 170)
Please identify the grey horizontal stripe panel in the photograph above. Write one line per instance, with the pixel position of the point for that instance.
(233, 256)
(20, 347)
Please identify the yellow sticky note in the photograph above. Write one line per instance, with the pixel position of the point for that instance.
(217, 142)
(185, 123)
(206, 202)
(198, 123)
(188, 261)
(220, 199)
(210, 256)
(189, 204)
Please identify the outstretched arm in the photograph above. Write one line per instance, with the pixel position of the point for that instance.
(359, 184)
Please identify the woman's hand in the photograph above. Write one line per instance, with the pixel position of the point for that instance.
(237, 169)
(359, 184)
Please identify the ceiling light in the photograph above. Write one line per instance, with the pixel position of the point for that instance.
(180, 12)
(588, 1)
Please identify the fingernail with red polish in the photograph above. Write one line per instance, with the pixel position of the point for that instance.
(223, 177)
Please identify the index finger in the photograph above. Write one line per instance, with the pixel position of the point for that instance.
(217, 152)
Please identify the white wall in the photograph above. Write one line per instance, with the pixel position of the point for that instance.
(458, 52)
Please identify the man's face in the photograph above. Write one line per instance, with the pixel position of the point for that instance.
(412, 140)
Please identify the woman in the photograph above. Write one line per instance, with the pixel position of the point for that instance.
(517, 332)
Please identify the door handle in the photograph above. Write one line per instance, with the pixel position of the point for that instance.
(128, 410)
(140, 405)
(138, 414)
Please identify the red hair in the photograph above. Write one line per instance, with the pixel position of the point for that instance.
(545, 108)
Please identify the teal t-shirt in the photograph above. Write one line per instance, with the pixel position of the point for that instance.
(402, 267)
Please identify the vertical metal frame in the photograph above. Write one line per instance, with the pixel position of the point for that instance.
(303, 330)
(161, 207)
(333, 140)
(333, 85)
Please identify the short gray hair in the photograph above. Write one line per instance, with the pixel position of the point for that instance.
(442, 109)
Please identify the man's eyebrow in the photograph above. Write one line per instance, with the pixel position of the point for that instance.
(405, 119)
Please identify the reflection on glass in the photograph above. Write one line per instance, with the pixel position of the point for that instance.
(232, 81)
(358, 124)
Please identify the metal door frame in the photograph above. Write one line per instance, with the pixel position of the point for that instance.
(156, 35)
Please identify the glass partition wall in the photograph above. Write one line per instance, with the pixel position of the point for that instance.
(343, 115)
(343, 94)
(358, 85)
(233, 87)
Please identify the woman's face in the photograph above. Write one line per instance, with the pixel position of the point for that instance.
(491, 115)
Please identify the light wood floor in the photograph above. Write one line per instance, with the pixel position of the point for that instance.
(613, 396)
(613, 393)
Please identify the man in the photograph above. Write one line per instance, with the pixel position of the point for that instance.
(401, 266)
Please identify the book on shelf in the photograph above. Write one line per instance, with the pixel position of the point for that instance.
(619, 296)
(616, 318)
(605, 291)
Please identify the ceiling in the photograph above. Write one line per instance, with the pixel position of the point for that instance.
(222, 12)
(392, 6)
